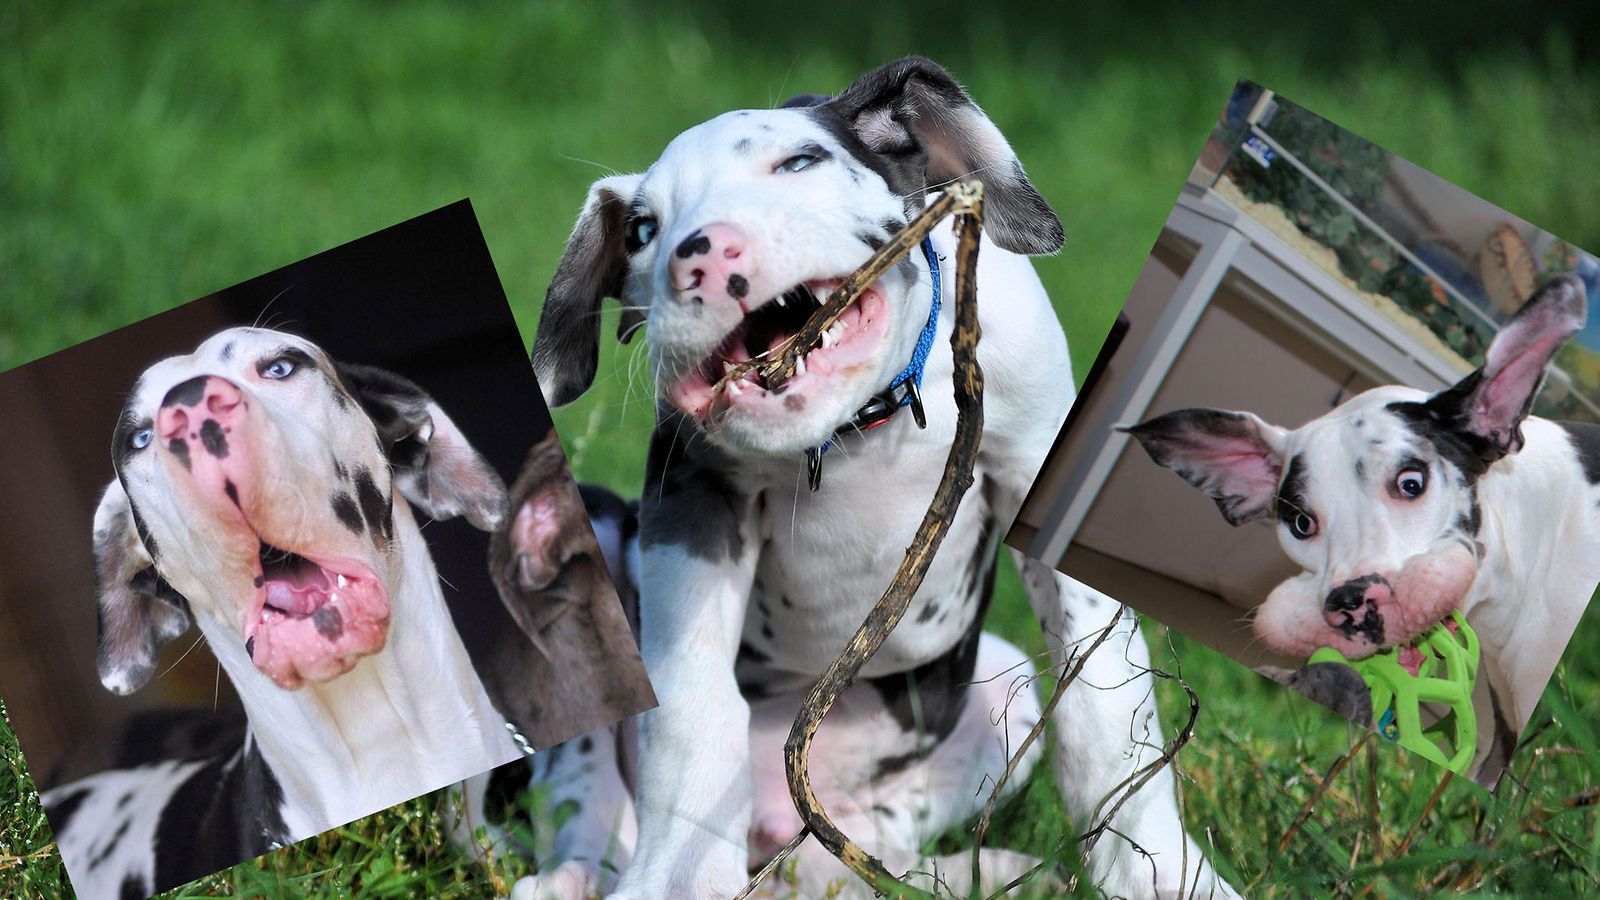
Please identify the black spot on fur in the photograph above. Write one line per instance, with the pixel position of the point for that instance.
(214, 439)
(1291, 500)
(62, 809)
(766, 632)
(227, 351)
(688, 499)
(344, 508)
(742, 146)
(738, 286)
(586, 745)
(1440, 421)
(1585, 439)
(375, 508)
(134, 888)
(228, 810)
(871, 240)
(110, 845)
(330, 624)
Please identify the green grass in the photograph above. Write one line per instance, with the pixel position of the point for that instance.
(151, 153)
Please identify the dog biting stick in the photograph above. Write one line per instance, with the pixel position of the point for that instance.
(965, 201)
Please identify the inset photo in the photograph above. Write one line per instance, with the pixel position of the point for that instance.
(1347, 437)
(262, 574)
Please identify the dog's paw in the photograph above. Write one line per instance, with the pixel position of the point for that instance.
(568, 881)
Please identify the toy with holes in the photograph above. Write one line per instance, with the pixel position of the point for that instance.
(1441, 666)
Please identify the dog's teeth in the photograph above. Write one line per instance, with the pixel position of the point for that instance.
(782, 301)
(727, 367)
(827, 339)
(342, 582)
(734, 388)
(800, 366)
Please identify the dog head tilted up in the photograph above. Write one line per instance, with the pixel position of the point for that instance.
(732, 236)
(255, 492)
(1378, 499)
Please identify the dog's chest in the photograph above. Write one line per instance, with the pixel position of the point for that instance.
(827, 557)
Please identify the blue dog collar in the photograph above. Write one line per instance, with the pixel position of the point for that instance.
(904, 390)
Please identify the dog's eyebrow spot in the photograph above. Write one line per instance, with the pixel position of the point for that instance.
(1291, 498)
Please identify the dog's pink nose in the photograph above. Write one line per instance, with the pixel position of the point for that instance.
(202, 408)
(710, 262)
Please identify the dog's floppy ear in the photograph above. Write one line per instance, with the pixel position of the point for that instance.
(1487, 407)
(138, 611)
(1235, 458)
(433, 464)
(924, 130)
(594, 266)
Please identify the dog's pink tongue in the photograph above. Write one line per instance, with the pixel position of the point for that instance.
(294, 600)
(1410, 658)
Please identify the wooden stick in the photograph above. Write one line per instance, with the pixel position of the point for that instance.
(966, 200)
(777, 364)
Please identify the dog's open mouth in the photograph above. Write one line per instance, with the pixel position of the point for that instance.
(844, 346)
(312, 620)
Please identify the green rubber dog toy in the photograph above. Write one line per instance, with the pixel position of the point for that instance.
(1446, 672)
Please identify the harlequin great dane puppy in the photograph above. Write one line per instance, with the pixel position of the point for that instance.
(751, 582)
(1402, 507)
(266, 494)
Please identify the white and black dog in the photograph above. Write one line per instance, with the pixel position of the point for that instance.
(1402, 507)
(751, 582)
(265, 493)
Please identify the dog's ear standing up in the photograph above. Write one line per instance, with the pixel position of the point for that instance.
(1235, 458)
(433, 464)
(566, 349)
(1483, 412)
(138, 611)
(921, 130)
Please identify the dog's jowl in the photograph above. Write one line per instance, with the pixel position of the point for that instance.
(1402, 507)
(751, 582)
(266, 494)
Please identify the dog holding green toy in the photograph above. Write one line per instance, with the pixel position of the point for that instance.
(1407, 510)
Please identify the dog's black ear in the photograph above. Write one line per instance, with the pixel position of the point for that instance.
(138, 611)
(594, 266)
(433, 464)
(1235, 458)
(1487, 407)
(922, 129)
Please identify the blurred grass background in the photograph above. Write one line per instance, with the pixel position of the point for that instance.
(154, 152)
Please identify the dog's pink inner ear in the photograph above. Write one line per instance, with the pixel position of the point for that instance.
(1515, 365)
(1226, 455)
(537, 534)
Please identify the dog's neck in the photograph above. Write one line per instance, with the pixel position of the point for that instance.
(408, 719)
(1532, 580)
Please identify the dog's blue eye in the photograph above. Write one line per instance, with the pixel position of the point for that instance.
(639, 232)
(282, 367)
(141, 439)
(1302, 526)
(1411, 483)
(796, 163)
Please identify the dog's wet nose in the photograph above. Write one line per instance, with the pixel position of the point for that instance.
(203, 408)
(710, 262)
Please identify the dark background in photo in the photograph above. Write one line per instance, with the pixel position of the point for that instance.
(421, 299)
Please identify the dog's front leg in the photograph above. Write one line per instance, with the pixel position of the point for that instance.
(1107, 730)
(694, 789)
